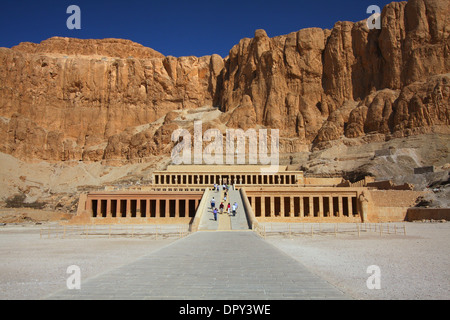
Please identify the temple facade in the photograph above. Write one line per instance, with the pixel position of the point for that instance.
(179, 195)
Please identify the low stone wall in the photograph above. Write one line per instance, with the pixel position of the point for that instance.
(84, 218)
(201, 208)
(248, 209)
(428, 214)
(395, 198)
(321, 181)
(391, 205)
(344, 219)
(387, 214)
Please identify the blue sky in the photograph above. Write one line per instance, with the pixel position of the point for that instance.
(177, 28)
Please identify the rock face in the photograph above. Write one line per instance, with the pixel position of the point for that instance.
(68, 106)
(303, 83)
(71, 99)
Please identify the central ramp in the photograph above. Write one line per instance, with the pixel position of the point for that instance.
(224, 221)
(209, 265)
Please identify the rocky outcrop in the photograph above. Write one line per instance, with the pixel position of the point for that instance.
(119, 48)
(88, 97)
(304, 82)
(72, 99)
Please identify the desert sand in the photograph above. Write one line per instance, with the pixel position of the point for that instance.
(413, 266)
(32, 267)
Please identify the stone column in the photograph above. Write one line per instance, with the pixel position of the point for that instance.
(321, 213)
(138, 208)
(253, 202)
(272, 206)
(147, 208)
(128, 212)
(292, 208)
(108, 208)
(302, 212)
(263, 206)
(197, 202)
(177, 208)
(311, 206)
(119, 208)
(281, 206)
(341, 210)
(99, 208)
(330, 206)
(157, 209)
(349, 205)
(166, 207)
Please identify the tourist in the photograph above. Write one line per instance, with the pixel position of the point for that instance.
(221, 207)
(235, 206)
(213, 203)
(215, 214)
(229, 209)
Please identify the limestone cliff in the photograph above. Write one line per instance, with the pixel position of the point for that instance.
(72, 99)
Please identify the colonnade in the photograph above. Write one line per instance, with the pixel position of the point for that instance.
(304, 205)
(237, 178)
(142, 206)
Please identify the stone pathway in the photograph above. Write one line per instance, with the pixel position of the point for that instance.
(224, 222)
(239, 221)
(208, 265)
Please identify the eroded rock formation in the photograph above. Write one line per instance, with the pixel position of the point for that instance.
(72, 99)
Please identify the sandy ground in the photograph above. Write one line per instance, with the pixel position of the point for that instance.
(32, 267)
(415, 266)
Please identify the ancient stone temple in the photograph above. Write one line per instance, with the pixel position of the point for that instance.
(182, 194)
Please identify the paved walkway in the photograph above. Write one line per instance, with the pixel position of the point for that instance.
(224, 222)
(209, 265)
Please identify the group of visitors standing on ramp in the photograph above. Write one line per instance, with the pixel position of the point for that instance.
(231, 209)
